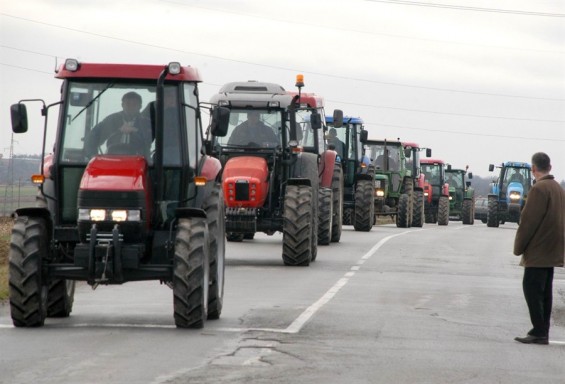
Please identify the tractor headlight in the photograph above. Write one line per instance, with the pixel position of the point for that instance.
(450, 197)
(85, 214)
(514, 195)
(379, 192)
(426, 194)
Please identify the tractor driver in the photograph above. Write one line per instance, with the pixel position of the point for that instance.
(123, 132)
(253, 132)
(335, 141)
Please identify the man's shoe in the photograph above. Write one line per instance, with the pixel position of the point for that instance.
(530, 339)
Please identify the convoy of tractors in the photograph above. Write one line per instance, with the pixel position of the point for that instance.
(153, 192)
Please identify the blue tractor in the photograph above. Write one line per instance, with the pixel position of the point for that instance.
(508, 194)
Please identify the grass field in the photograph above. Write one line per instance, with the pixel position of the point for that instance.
(5, 228)
(13, 197)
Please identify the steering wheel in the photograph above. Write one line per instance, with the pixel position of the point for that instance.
(125, 144)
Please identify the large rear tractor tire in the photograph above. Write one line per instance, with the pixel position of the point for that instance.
(467, 212)
(29, 245)
(403, 215)
(418, 212)
(492, 215)
(297, 225)
(443, 211)
(337, 199)
(214, 207)
(364, 206)
(191, 273)
(325, 213)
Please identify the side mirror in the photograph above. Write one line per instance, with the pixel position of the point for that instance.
(18, 113)
(491, 167)
(470, 175)
(449, 167)
(315, 120)
(428, 152)
(468, 184)
(364, 136)
(220, 121)
(407, 153)
(338, 118)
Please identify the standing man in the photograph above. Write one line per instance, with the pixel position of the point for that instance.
(540, 240)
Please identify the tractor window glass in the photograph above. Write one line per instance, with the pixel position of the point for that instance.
(432, 173)
(253, 128)
(193, 134)
(307, 139)
(106, 118)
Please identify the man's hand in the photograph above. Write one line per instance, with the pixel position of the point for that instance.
(127, 128)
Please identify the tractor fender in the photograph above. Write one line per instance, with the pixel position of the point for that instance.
(306, 167)
(184, 213)
(47, 163)
(365, 176)
(445, 189)
(211, 167)
(41, 212)
(326, 168)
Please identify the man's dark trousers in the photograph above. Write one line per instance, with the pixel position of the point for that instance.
(538, 291)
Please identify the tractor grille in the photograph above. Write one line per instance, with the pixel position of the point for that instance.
(241, 190)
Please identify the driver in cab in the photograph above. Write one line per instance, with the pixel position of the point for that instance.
(253, 132)
(124, 132)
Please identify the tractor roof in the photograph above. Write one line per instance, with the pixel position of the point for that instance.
(410, 144)
(394, 143)
(431, 161)
(516, 164)
(252, 94)
(346, 120)
(125, 71)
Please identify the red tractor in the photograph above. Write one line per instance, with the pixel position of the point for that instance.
(125, 196)
(436, 191)
(277, 174)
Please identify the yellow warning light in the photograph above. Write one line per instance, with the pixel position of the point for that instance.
(299, 81)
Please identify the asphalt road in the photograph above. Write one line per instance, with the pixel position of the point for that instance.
(432, 305)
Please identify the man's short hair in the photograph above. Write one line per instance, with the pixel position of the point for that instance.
(132, 96)
(541, 161)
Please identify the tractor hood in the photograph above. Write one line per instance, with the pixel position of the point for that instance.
(245, 182)
(115, 173)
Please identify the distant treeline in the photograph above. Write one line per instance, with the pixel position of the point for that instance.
(19, 169)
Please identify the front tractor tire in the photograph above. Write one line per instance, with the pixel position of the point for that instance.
(443, 211)
(29, 245)
(214, 207)
(468, 212)
(492, 216)
(403, 214)
(297, 225)
(191, 273)
(364, 214)
(337, 201)
(325, 213)
(418, 212)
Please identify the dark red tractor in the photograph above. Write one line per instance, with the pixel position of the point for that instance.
(436, 191)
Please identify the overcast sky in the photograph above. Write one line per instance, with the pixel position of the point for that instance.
(478, 81)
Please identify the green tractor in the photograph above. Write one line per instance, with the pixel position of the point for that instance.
(399, 189)
(461, 195)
